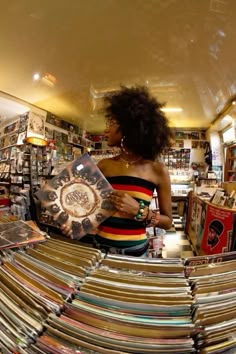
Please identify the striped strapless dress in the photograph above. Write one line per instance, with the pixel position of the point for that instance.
(121, 232)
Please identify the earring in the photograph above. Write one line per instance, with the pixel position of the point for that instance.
(122, 145)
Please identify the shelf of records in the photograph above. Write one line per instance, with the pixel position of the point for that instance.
(23, 172)
(190, 134)
(67, 133)
(24, 164)
(59, 133)
(100, 154)
(195, 139)
(176, 158)
(74, 299)
(13, 134)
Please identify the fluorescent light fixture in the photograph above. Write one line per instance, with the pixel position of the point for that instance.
(172, 109)
(227, 118)
(229, 135)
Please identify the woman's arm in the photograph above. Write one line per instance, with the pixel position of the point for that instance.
(164, 198)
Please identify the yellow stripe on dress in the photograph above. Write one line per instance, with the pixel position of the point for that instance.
(120, 237)
(138, 195)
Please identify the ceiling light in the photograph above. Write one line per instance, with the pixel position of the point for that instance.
(227, 118)
(234, 102)
(49, 79)
(172, 109)
(36, 76)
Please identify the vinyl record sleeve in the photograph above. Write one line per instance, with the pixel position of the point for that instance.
(66, 256)
(146, 267)
(132, 307)
(123, 327)
(112, 340)
(77, 325)
(73, 250)
(62, 265)
(71, 279)
(78, 196)
(18, 233)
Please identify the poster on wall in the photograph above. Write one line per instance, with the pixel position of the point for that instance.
(36, 124)
(217, 237)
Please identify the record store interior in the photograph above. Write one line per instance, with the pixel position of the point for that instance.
(60, 60)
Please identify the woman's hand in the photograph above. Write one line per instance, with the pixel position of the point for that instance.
(124, 203)
(66, 230)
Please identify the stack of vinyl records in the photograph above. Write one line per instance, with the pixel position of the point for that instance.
(214, 316)
(16, 234)
(35, 283)
(74, 259)
(25, 304)
(140, 307)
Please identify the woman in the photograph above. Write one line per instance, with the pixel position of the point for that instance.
(136, 124)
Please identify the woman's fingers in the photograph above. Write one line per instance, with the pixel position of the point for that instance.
(124, 203)
(66, 230)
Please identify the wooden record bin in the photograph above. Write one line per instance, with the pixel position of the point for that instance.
(97, 301)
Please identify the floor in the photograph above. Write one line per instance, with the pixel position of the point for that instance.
(176, 243)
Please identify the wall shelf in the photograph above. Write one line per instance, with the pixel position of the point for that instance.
(230, 164)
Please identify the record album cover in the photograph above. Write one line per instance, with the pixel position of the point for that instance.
(78, 196)
(18, 233)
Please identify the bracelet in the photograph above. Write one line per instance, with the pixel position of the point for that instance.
(139, 215)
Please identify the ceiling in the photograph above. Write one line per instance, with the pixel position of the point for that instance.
(181, 49)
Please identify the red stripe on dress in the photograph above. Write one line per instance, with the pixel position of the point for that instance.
(132, 188)
(117, 231)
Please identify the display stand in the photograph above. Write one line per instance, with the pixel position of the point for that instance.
(210, 227)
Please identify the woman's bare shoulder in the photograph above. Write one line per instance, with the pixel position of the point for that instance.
(105, 163)
(160, 171)
(159, 167)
